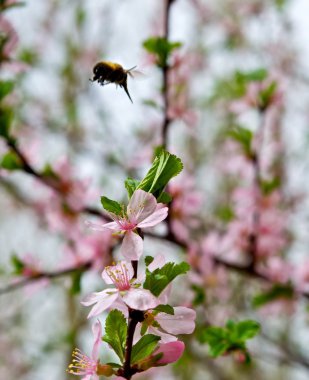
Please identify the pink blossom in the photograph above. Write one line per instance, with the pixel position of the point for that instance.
(185, 207)
(171, 351)
(143, 211)
(83, 365)
(127, 290)
(182, 322)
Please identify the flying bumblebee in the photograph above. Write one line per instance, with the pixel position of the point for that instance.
(106, 72)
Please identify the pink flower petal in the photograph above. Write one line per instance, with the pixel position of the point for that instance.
(171, 352)
(132, 246)
(140, 299)
(158, 262)
(102, 299)
(182, 322)
(97, 333)
(141, 205)
(154, 218)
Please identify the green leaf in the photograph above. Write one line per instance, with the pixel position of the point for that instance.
(144, 347)
(76, 282)
(17, 264)
(235, 86)
(5, 88)
(268, 187)
(148, 260)
(243, 136)
(116, 332)
(112, 206)
(6, 118)
(165, 166)
(131, 185)
(200, 295)
(230, 338)
(277, 291)
(158, 280)
(161, 48)
(245, 330)
(168, 309)
(10, 161)
(165, 198)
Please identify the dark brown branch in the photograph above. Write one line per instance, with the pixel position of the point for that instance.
(165, 74)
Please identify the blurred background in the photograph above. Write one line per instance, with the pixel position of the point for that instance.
(238, 105)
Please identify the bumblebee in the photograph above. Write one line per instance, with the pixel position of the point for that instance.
(106, 72)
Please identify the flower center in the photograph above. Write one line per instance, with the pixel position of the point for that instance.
(81, 364)
(120, 276)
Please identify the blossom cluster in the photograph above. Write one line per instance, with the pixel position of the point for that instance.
(140, 297)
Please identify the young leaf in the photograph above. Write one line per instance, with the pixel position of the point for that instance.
(144, 347)
(5, 88)
(164, 167)
(116, 332)
(10, 161)
(161, 48)
(6, 118)
(112, 206)
(230, 338)
(158, 280)
(17, 264)
(243, 136)
(131, 185)
(245, 330)
(148, 260)
(277, 291)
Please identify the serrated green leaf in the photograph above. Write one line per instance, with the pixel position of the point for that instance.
(5, 88)
(131, 185)
(158, 280)
(10, 161)
(164, 167)
(276, 292)
(116, 332)
(168, 309)
(144, 347)
(112, 206)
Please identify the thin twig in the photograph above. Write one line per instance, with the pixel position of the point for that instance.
(43, 275)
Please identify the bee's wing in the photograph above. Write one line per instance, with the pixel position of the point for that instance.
(136, 74)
